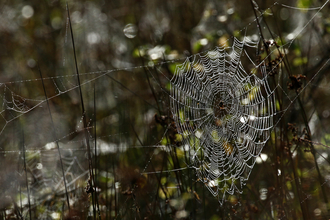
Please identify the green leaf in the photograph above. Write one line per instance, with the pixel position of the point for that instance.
(299, 61)
(303, 3)
(197, 47)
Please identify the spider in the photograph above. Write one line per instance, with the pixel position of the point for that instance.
(222, 105)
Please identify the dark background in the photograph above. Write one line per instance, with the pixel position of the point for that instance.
(126, 52)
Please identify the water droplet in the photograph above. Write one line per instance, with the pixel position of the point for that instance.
(39, 166)
(31, 63)
(27, 11)
(130, 30)
(230, 11)
(93, 38)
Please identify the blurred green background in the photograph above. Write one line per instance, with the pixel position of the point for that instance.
(126, 53)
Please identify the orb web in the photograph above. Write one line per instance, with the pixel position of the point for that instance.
(224, 115)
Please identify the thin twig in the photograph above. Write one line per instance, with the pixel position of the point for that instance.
(95, 154)
(82, 109)
(26, 178)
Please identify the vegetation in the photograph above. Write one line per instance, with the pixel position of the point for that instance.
(85, 96)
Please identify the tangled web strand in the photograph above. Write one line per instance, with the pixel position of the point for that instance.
(224, 115)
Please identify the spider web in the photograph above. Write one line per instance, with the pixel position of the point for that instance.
(224, 111)
(224, 114)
